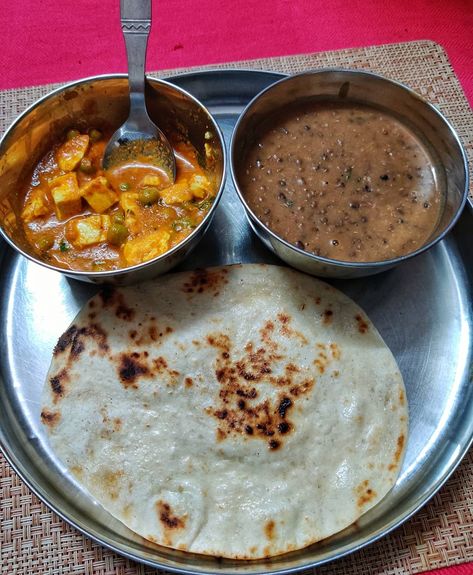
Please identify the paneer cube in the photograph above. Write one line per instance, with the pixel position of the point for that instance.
(66, 196)
(153, 180)
(99, 195)
(177, 193)
(146, 247)
(87, 231)
(131, 208)
(71, 152)
(199, 186)
(36, 205)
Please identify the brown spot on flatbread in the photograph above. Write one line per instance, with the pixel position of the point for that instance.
(284, 405)
(92, 315)
(189, 382)
(238, 410)
(132, 333)
(302, 388)
(130, 369)
(287, 330)
(160, 364)
(317, 300)
(77, 471)
(284, 427)
(266, 332)
(75, 338)
(327, 316)
(402, 397)
(91, 303)
(153, 332)
(169, 521)
(58, 384)
(397, 454)
(127, 512)
(110, 480)
(125, 313)
(362, 324)
(107, 295)
(110, 298)
(270, 529)
(323, 358)
(65, 340)
(364, 493)
(336, 353)
(203, 280)
(50, 418)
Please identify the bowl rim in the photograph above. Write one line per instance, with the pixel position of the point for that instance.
(364, 265)
(101, 275)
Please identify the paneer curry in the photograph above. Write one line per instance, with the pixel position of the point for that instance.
(78, 216)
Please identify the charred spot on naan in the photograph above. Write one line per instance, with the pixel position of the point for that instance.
(75, 339)
(206, 281)
(114, 423)
(58, 384)
(110, 481)
(326, 353)
(361, 323)
(394, 465)
(270, 529)
(327, 316)
(364, 493)
(50, 418)
(112, 298)
(149, 333)
(169, 521)
(132, 366)
(287, 330)
(238, 411)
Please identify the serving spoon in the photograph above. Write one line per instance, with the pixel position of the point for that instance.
(139, 137)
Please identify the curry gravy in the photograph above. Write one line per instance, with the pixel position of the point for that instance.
(343, 181)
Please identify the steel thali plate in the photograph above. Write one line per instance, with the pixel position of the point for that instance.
(423, 310)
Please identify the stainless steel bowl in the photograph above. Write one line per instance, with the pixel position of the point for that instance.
(101, 101)
(361, 87)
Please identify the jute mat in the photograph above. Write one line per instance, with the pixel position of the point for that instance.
(35, 541)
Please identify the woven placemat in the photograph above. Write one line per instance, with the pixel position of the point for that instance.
(35, 541)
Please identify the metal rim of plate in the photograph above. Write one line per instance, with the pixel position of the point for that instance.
(423, 310)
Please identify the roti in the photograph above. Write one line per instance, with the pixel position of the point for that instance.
(241, 411)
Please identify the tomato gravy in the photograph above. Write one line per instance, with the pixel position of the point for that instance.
(343, 181)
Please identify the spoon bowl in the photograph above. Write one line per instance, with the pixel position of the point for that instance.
(138, 139)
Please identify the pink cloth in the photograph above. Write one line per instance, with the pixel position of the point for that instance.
(465, 569)
(52, 41)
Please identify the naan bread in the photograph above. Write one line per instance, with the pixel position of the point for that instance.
(240, 411)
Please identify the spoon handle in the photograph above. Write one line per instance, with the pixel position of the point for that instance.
(136, 23)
